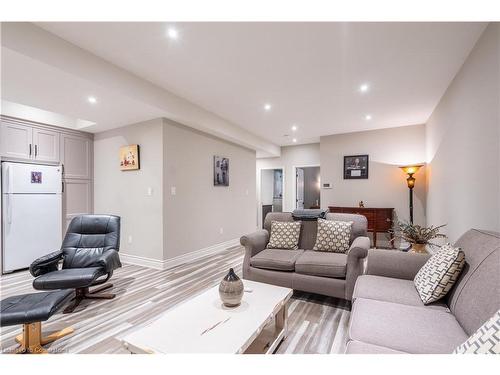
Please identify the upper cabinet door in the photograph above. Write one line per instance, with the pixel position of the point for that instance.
(76, 156)
(46, 145)
(16, 140)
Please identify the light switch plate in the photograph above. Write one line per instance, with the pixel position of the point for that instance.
(173, 190)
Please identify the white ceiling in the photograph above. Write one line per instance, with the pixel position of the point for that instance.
(310, 72)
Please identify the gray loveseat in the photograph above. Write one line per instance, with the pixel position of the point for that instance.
(388, 316)
(326, 273)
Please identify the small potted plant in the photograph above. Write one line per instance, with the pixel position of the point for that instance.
(417, 236)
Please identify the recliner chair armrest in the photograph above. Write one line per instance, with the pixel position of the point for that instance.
(395, 264)
(47, 263)
(109, 260)
(255, 242)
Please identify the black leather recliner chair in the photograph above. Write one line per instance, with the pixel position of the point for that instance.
(89, 255)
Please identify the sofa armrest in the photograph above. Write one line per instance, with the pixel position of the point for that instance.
(109, 260)
(255, 242)
(47, 263)
(355, 263)
(395, 264)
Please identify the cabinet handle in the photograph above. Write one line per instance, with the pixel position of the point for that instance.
(36, 150)
(62, 186)
(30, 149)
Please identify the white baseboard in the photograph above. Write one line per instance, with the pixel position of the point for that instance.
(178, 260)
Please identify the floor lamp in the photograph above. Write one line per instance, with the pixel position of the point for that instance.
(411, 170)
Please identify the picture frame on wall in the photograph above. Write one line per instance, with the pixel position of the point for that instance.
(221, 171)
(356, 167)
(129, 158)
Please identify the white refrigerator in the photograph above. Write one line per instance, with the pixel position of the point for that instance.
(31, 213)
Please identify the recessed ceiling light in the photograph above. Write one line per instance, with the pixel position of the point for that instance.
(368, 117)
(92, 99)
(172, 33)
(294, 140)
(267, 107)
(364, 87)
(294, 128)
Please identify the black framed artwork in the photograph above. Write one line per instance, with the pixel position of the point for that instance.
(356, 167)
(221, 171)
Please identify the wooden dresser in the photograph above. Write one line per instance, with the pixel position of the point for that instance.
(379, 219)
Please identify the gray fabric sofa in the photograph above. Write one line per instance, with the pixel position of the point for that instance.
(388, 316)
(330, 274)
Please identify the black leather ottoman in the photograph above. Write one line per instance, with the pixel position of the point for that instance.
(31, 310)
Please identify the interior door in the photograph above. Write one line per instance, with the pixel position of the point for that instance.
(300, 188)
(15, 140)
(46, 144)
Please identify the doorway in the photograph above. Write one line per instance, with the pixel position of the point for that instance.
(307, 187)
(271, 192)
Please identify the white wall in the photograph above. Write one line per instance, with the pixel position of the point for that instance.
(386, 183)
(194, 217)
(291, 157)
(124, 193)
(463, 144)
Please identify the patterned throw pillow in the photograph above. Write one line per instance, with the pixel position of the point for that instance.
(439, 273)
(486, 340)
(284, 235)
(333, 236)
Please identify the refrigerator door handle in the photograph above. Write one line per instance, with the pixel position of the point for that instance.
(10, 187)
(9, 208)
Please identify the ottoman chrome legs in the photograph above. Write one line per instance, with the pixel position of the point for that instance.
(31, 339)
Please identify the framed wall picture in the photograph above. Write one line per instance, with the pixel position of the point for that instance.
(221, 171)
(356, 167)
(129, 158)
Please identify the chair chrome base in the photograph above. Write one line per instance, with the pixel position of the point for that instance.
(31, 340)
(85, 293)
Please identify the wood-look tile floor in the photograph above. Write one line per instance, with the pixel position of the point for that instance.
(317, 324)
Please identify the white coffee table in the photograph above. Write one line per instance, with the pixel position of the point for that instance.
(204, 325)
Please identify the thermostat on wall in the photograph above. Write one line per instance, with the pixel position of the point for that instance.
(327, 185)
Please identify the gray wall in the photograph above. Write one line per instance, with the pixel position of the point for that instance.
(463, 144)
(193, 218)
(311, 186)
(162, 225)
(125, 193)
(386, 185)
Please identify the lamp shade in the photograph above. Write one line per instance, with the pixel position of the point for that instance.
(411, 169)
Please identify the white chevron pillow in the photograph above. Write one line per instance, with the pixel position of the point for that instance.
(284, 235)
(486, 340)
(439, 273)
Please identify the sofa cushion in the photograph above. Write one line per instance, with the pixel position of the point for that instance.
(388, 289)
(405, 328)
(439, 273)
(319, 263)
(486, 340)
(333, 236)
(358, 347)
(276, 259)
(284, 235)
